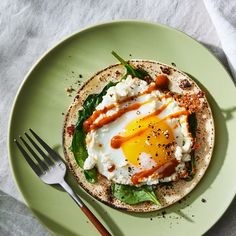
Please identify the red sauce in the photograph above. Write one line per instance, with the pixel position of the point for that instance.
(175, 126)
(88, 126)
(157, 112)
(162, 171)
(70, 130)
(162, 82)
(177, 114)
(196, 146)
(87, 123)
(112, 168)
(150, 89)
(118, 140)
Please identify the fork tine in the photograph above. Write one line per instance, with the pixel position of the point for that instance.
(46, 158)
(28, 159)
(50, 151)
(41, 163)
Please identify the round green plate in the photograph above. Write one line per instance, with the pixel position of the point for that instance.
(42, 99)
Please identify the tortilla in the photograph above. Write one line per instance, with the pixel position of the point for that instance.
(205, 134)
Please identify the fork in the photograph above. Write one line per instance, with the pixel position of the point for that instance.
(51, 170)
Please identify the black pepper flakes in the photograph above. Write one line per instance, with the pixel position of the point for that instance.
(163, 214)
(204, 200)
(165, 70)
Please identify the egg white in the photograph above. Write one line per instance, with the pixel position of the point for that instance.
(103, 156)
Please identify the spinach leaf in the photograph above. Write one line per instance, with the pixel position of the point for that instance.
(139, 72)
(192, 121)
(191, 168)
(133, 195)
(79, 150)
(78, 146)
(91, 175)
(90, 104)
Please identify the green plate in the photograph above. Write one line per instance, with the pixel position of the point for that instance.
(42, 99)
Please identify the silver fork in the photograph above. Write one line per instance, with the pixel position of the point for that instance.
(51, 170)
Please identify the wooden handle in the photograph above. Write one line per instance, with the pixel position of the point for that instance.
(95, 221)
(86, 211)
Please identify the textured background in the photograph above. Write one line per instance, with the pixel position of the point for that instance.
(30, 27)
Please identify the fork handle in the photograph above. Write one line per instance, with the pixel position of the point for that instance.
(103, 231)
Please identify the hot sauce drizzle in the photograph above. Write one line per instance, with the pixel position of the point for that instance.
(112, 168)
(117, 141)
(88, 124)
(162, 171)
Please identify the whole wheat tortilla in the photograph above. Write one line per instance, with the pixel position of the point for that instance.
(205, 136)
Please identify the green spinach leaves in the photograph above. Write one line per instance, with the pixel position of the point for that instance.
(135, 72)
(133, 195)
(192, 121)
(78, 146)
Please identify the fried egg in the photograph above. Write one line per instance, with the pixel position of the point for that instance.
(138, 135)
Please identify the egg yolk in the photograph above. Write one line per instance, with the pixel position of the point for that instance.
(150, 135)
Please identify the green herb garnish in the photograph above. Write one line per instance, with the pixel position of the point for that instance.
(133, 195)
(131, 70)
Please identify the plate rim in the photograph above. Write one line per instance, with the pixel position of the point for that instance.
(57, 44)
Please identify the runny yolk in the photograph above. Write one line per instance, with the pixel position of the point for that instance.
(150, 135)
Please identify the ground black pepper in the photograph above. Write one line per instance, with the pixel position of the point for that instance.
(203, 200)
